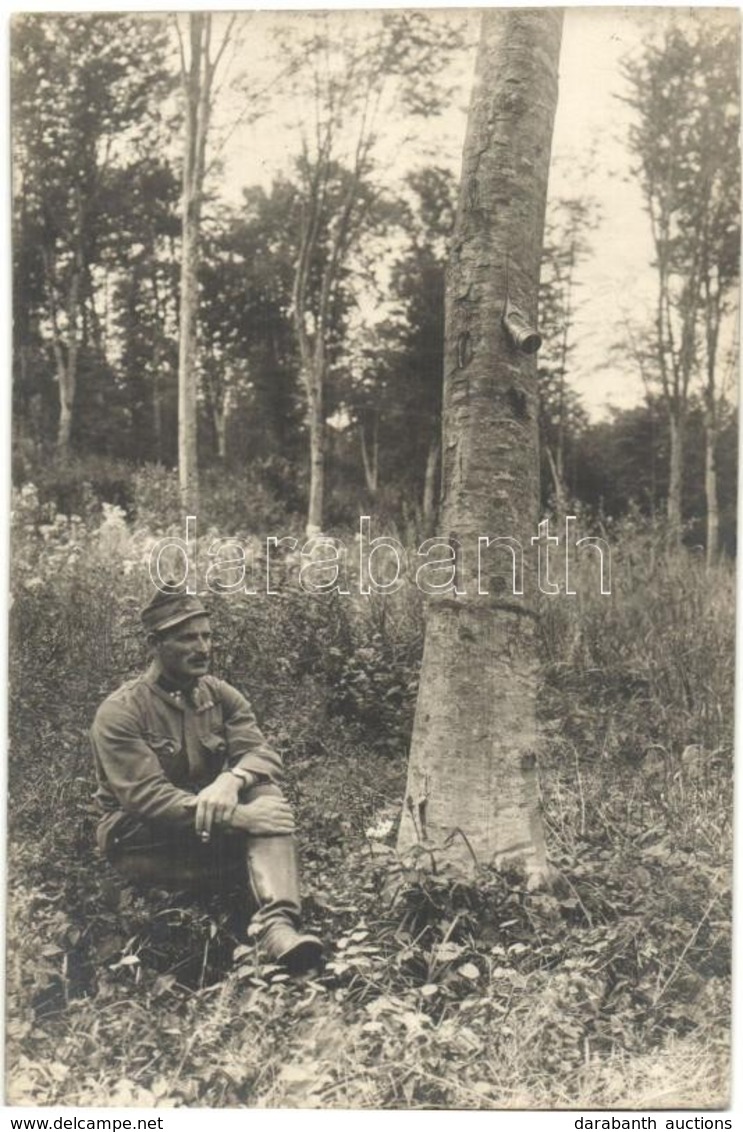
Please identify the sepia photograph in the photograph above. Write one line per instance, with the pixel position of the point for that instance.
(373, 532)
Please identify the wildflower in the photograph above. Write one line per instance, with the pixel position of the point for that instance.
(379, 831)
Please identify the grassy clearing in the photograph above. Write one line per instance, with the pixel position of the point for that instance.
(613, 989)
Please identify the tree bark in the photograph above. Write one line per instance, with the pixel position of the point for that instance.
(472, 789)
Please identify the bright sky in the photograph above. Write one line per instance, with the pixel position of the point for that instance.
(617, 283)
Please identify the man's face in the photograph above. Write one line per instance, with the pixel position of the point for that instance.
(185, 649)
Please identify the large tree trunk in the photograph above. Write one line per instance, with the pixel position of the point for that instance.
(472, 776)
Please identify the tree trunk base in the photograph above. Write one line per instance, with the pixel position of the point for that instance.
(471, 799)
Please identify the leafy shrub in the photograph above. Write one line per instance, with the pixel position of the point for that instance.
(76, 485)
(157, 503)
(655, 657)
(376, 688)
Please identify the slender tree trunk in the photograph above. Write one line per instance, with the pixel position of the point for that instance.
(472, 774)
(313, 347)
(157, 416)
(557, 480)
(558, 470)
(316, 422)
(675, 361)
(197, 90)
(159, 360)
(66, 344)
(710, 486)
(430, 484)
(313, 378)
(370, 460)
(220, 432)
(67, 380)
(188, 467)
(675, 476)
(64, 426)
(221, 418)
(713, 306)
(560, 461)
(66, 366)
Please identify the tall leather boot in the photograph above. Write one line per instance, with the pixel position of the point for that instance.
(273, 872)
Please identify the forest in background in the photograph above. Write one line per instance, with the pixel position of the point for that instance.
(152, 369)
(99, 275)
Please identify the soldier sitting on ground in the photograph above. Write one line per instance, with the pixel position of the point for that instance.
(189, 788)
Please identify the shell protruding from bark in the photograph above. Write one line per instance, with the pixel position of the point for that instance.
(524, 337)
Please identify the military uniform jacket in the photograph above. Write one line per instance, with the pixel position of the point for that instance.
(154, 749)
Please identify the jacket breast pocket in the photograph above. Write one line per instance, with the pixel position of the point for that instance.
(170, 755)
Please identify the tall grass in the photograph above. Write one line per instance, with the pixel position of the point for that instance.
(611, 989)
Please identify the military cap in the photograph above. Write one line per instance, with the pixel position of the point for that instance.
(169, 607)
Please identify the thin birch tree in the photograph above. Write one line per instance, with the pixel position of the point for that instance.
(350, 70)
(685, 91)
(197, 67)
